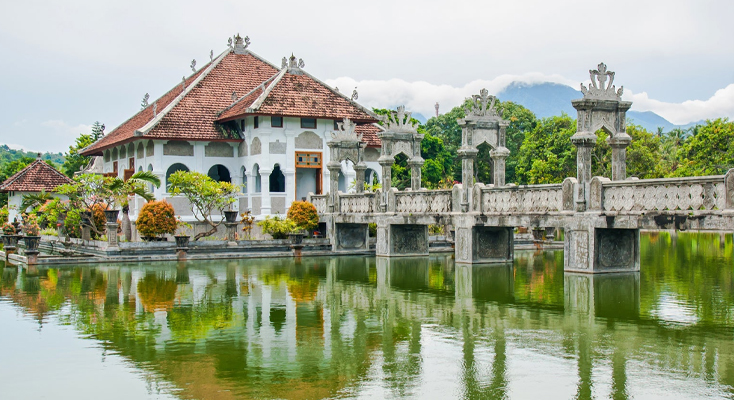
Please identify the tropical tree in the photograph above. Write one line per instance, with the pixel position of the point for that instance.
(547, 154)
(205, 196)
(709, 150)
(74, 161)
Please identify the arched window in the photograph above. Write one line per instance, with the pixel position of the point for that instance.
(258, 183)
(243, 172)
(219, 173)
(172, 169)
(371, 177)
(342, 182)
(277, 180)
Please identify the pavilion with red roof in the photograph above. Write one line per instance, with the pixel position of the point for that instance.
(37, 177)
(242, 119)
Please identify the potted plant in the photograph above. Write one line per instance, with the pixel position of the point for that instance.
(247, 222)
(10, 239)
(230, 216)
(32, 231)
(156, 219)
(182, 239)
(306, 218)
(277, 227)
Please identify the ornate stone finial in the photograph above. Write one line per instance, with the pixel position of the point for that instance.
(399, 121)
(284, 63)
(241, 44)
(183, 83)
(234, 96)
(336, 88)
(292, 62)
(211, 55)
(481, 105)
(193, 65)
(145, 101)
(355, 95)
(155, 109)
(345, 132)
(229, 43)
(301, 64)
(599, 88)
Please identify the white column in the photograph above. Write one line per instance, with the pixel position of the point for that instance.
(159, 169)
(289, 169)
(265, 185)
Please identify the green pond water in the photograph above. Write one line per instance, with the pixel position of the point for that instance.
(362, 327)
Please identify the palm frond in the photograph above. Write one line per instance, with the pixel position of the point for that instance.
(147, 177)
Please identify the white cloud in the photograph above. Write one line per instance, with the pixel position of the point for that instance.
(51, 135)
(721, 104)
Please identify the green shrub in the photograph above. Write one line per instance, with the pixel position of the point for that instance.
(156, 218)
(72, 223)
(372, 229)
(4, 215)
(304, 214)
(278, 227)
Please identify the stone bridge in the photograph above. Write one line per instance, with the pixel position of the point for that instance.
(601, 217)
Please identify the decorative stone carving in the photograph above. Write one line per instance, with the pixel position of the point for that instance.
(672, 194)
(523, 199)
(144, 104)
(277, 147)
(218, 149)
(599, 88)
(423, 202)
(346, 144)
(355, 95)
(178, 148)
(241, 44)
(319, 201)
(193, 65)
(400, 136)
(309, 140)
(256, 147)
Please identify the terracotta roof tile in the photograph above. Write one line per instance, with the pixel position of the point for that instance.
(301, 95)
(369, 134)
(37, 176)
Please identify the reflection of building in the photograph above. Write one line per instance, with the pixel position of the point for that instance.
(37, 177)
(244, 120)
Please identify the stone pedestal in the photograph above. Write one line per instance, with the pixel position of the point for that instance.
(350, 237)
(483, 244)
(395, 240)
(297, 248)
(112, 234)
(231, 232)
(86, 232)
(599, 250)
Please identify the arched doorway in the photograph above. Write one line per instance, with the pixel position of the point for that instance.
(277, 180)
(173, 169)
(219, 173)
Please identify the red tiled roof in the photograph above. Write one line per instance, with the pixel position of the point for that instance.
(369, 134)
(193, 117)
(300, 95)
(37, 176)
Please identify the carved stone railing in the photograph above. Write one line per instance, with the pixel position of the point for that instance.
(423, 201)
(319, 201)
(669, 194)
(357, 203)
(521, 199)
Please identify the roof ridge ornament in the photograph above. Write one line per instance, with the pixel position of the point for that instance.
(346, 132)
(481, 105)
(295, 63)
(355, 95)
(155, 109)
(241, 44)
(144, 103)
(399, 121)
(234, 96)
(211, 55)
(599, 88)
(183, 83)
(193, 65)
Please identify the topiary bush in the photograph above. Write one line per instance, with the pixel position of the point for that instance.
(304, 214)
(156, 218)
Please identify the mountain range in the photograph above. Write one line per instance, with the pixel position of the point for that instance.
(549, 99)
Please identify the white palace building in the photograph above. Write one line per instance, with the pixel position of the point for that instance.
(241, 119)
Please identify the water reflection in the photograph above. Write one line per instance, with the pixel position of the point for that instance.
(419, 327)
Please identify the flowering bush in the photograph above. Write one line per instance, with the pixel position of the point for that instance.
(156, 218)
(304, 214)
(30, 225)
(4, 214)
(247, 221)
(8, 228)
(278, 227)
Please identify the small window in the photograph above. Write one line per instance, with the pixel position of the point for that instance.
(308, 123)
(257, 122)
(276, 122)
(336, 124)
(242, 125)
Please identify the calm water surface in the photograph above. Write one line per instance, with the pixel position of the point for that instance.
(360, 327)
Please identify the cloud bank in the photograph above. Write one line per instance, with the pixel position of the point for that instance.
(422, 96)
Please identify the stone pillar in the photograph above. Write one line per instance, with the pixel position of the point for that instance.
(265, 190)
(334, 168)
(401, 239)
(584, 143)
(386, 163)
(499, 156)
(231, 232)
(112, 234)
(482, 244)
(415, 165)
(619, 145)
(590, 249)
(467, 155)
(359, 180)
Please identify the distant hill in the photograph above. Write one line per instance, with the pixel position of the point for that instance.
(549, 99)
(8, 155)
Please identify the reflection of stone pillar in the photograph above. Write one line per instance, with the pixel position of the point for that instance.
(603, 295)
(265, 191)
(463, 286)
(619, 143)
(467, 155)
(499, 156)
(383, 278)
(386, 162)
(584, 143)
(415, 165)
(359, 180)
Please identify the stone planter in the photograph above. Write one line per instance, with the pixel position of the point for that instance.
(31, 243)
(182, 241)
(111, 216)
(538, 233)
(230, 216)
(10, 240)
(296, 238)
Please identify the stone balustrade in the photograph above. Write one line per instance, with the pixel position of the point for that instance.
(670, 194)
(423, 201)
(357, 203)
(521, 199)
(319, 201)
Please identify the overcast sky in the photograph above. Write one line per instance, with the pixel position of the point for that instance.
(66, 64)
